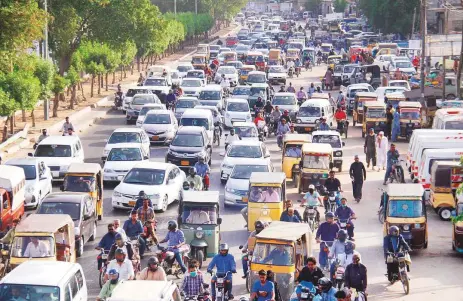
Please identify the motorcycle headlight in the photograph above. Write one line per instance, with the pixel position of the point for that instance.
(406, 227)
(199, 233)
(116, 194)
(298, 121)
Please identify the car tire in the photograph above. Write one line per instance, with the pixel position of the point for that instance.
(80, 249)
(445, 213)
(165, 203)
(92, 238)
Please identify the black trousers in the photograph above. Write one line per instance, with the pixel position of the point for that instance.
(357, 189)
(371, 155)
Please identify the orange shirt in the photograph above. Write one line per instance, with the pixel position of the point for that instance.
(340, 115)
(257, 119)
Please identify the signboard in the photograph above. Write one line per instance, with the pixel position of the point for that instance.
(443, 45)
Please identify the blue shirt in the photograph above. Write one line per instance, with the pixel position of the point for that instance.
(283, 129)
(344, 212)
(171, 97)
(392, 156)
(267, 287)
(291, 219)
(324, 127)
(107, 241)
(278, 258)
(224, 264)
(396, 119)
(201, 169)
(131, 229)
(329, 296)
(328, 232)
(175, 238)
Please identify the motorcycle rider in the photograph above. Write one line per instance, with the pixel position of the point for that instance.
(301, 96)
(286, 116)
(313, 199)
(340, 99)
(259, 105)
(268, 108)
(311, 90)
(263, 289)
(341, 117)
(225, 84)
(175, 240)
(225, 263)
(120, 244)
(217, 120)
(230, 138)
(327, 290)
(310, 273)
(203, 170)
(291, 88)
(394, 243)
(122, 265)
(290, 65)
(152, 271)
(341, 246)
(298, 65)
(333, 184)
(171, 99)
(8, 238)
(355, 275)
(146, 215)
(344, 212)
(141, 198)
(327, 232)
(134, 228)
(276, 115)
(259, 226)
(392, 157)
(323, 126)
(193, 177)
(282, 129)
(109, 286)
(282, 89)
(193, 283)
(104, 245)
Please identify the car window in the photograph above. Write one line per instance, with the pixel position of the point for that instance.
(80, 279)
(74, 287)
(67, 293)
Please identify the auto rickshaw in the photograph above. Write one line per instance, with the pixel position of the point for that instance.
(244, 72)
(457, 235)
(198, 218)
(279, 248)
(257, 59)
(199, 61)
(53, 232)
(292, 54)
(443, 188)
(410, 118)
(360, 99)
(333, 60)
(315, 165)
(86, 177)
(265, 198)
(292, 152)
(405, 208)
(203, 49)
(308, 53)
(274, 57)
(374, 117)
(230, 56)
(393, 99)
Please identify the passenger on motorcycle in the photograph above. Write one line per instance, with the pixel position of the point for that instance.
(298, 64)
(141, 197)
(268, 108)
(341, 246)
(340, 117)
(323, 126)
(392, 157)
(289, 204)
(109, 286)
(326, 232)
(230, 138)
(175, 240)
(313, 199)
(301, 96)
(193, 177)
(152, 271)
(122, 265)
(394, 243)
(203, 170)
(355, 275)
(286, 116)
(290, 65)
(134, 228)
(340, 99)
(259, 226)
(282, 129)
(106, 243)
(291, 88)
(327, 290)
(171, 99)
(193, 283)
(333, 184)
(224, 262)
(217, 120)
(263, 289)
(259, 105)
(225, 84)
(276, 115)
(344, 212)
(146, 215)
(310, 273)
(120, 244)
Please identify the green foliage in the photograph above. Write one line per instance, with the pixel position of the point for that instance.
(193, 24)
(44, 71)
(23, 87)
(59, 84)
(458, 218)
(340, 5)
(128, 50)
(7, 105)
(313, 5)
(93, 56)
(72, 76)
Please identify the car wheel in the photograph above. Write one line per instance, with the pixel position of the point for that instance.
(80, 249)
(92, 238)
(445, 213)
(165, 203)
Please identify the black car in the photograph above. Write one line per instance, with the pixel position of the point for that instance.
(189, 143)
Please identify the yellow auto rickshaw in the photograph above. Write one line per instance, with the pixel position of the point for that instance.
(292, 54)
(86, 177)
(199, 61)
(457, 235)
(405, 208)
(283, 248)
(393, 99)
(203, 49)
(274, 57)
(374, 117)
(244, 73)
(410, 118)
(315, 165)
(360, 99)
(267, 193)
(230, 56)
(333, 60)
(292, 152)
(442, 189)
(43, 237)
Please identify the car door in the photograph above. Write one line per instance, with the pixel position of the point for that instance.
(178, 183)
(171, 186)
(265, 152)
(44, 180)
(87, 217)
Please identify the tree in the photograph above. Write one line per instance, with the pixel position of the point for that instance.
(92, 59)
(44, 71)
(340, 6)
(7, 108)
(59, 84)
(313, 6)
(73, 78)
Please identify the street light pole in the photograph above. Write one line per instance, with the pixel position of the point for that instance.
(175, 8)
(423, 45)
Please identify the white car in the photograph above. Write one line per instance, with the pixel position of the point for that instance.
(286, 101)
(237, 186)
(240, 152)
(137, 103)
(382, 91)
(400, 83)
(131, 92)
(404, 66)
(38, 179)
(191, 86)
(277, 74)
(162, 182)
(196, 74)
(334, 139)
(184, 103)
(246, 130)
(157, 85)
(126, 135)
(237, 110)
(121, 159)
(183, 69)
(230, 73)
(176, 79)
(242, 92)
(160, 126)
(384, 61)
(146, 108)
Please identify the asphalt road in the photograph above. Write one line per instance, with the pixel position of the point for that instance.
(435, 272)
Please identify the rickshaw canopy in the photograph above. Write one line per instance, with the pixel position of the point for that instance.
(84, 168)
(410, 104)
(49, 223)
(375, 104)
(304, 138)
(317, 148)
(267, 178)
(396, 96)
(283, 231)
(205, 197)
(361, 96)
(405, 190)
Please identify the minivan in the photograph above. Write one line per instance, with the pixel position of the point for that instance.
(310, 113)
(199, 117)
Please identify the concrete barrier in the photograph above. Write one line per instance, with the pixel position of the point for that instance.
(15, 137)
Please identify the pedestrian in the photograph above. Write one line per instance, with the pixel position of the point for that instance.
(395, 125)
(381, 150)
(67, 125)
(329, 79)
(389, 118)
(358, 175)
(355, 276)
(370, 148)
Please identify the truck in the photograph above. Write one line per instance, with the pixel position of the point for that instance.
(12, 192)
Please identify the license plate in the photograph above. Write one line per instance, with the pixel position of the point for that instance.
(311, 210)
(132, 203)
(343, 225)
(184, 163)
(304, 295)
(155, 138)
(219, 280)
(307, 129)
(409, 125)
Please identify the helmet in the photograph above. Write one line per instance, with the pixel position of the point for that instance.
(342, 235)
(201, 157)
(311, 186)
(223, 75)
(153, 260)
(325, 284)
(349, 248)
(223, 247)
(141, 194)
(259, 225)
(329, 215)
(186, 185)
(172, 225)
(394, 230)
(118, 236)
(120, 251)
(192, 171)
(113, 272)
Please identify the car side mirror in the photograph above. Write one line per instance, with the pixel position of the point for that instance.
(267, 155)
(343, 143)
(222, 154)
(30, 154)
(105, 140)
(219, 221)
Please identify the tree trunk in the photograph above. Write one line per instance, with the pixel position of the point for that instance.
(33, 118)
(114, 79)
(82, 91)
(106, 80)
(138, 63)
(91, 85)
(73, 97)
(125, 73)
(5, 129)
(64, 63)
(74, 94)
(12, 124)
(55, 105)
(23, 115)
(131, 68)
(459, 69)
(122, 71)
(99, 84)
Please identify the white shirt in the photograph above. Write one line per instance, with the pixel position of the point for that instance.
(121, 231)
(125, 270)
(41, 250)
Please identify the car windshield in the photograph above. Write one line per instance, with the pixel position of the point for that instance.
(284, 100)
(333, 140)
(191, 83)
(406, 208)
(209, 95)
(33, 247)
(132, 92)
(338, 69)
(257, 91)
(188, 140)
(454, 125)
(376, 113)
(316, 162)
(354, 92)
(195, 74)
(244, 151)
(242, 91)
(277, 69)
(199, 214)
(237, 65)
(273, 254)
(79, 183)
(186, 121)
(184, 68)
(412, 115)
(238, 107)
(145, 176)
(242, 48)
(29, 292)
(389, 91)
(125, 154)
(243, 172)
(398, 84)
(29, 170)
(403, 64)
(226, 70)
(157, 119)
(121, 137)
(309, 112)
(73, 209)
(53, 150)
(256, 78)
(155, 82)
(185, 104)
(142, 100)
(293, 150)
(325, 48)
(246, 131)
(348, 69)
(198, 60)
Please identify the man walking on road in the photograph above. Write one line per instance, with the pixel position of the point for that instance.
(358, 174)
(370, 148)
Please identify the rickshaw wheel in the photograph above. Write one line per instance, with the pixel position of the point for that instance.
(200, 257)
(248, 285)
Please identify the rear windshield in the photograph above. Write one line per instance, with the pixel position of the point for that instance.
(186, 121)
(132, 92)
(121, 137)
(53, 150)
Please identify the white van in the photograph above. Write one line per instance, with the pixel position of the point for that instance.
(145, 290)
(428, 158)
(199, 117)
(310, 113)
(448, 119)
(160, 70)
(334, 139)
(58, 152)
(45, 280)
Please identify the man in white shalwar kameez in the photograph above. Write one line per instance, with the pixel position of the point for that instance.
(381, 150)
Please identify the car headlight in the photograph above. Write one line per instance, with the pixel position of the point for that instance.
(199, 233)
(229, 190)
(298, 121)
(248, 117)
(226, 166)
(154, 196)
(406, 227)
(116, 194)
(108, 170)
(64, 168)
(338, 154)
(227, 115)
(200, 154)
(30, 189)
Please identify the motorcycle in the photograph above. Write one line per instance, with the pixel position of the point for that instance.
(262, 129)
(342, 127)
(401, 275)
(308, 65)
(298, 71)
(290, 72)
(269, 123)
(201, 297)
(280, 140)
(397, 173)
(339, 271)
(332, 202)
(118, 98)
(221, 291)
(319, 60)
(311, 217)
(217, 133)
(104, 264)
(247, 255)
(206, 182)
(136, 254)
(167, 260)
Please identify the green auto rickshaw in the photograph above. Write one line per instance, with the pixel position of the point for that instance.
(198, 218)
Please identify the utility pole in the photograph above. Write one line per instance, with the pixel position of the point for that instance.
(413, 23)
(46, 103)
(175, 9)
(423, 44)
(460, 62)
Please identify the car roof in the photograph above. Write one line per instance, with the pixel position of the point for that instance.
(192, 112)
(23, 161)
(143, 290)
(191, 79)
(201, 197)
(43, 222)
(65, 197)
(316, 148)
(59, 140)
(241, 100)
(153, 165)
(247, 142)
(284, 94)
(241, 123)
(190, 129)
(84, 168)
(259, 85)
(126, 145)
(128, 130)
(145, 94)
(257, 72)
(367, 94)
(187, 98)
(153, 105)
(211, 88)
(315, 101)
(330, 133)
(159, 112)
